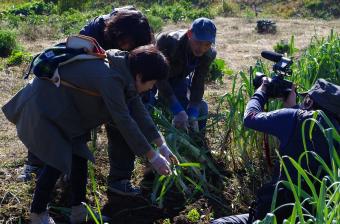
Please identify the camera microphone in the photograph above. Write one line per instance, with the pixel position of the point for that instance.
(278, 87)
(272, 56)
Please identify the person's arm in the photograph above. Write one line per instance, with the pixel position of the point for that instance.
(276, 122)
(135, 123)
(90, 28)
(166, 92)
(143, 119)
(163, 148)
(167, 45)
(95, 29)
(200, 73)
(112, 90)
(147, 126)
(197, 85)
(290, 102)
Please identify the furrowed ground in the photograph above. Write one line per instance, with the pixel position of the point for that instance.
(237, 43)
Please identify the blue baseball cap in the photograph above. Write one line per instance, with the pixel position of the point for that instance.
(204, 29)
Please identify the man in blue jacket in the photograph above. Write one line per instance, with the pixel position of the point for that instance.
(286, 125)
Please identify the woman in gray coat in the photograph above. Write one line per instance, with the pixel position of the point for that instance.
(50, 120)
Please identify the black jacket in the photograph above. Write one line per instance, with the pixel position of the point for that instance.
(176, 48)
(95, 27)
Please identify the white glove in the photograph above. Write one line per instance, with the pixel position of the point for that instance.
(160, 164)
(181, 120)
(166, 152)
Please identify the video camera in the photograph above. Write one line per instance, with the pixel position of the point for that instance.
(278, 87)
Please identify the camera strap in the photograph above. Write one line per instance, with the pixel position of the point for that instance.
(267, 150)
(266, 147)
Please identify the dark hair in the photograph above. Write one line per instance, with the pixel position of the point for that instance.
(149, 62)
(128, 24)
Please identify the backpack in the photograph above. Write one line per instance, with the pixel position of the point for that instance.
(78, 47)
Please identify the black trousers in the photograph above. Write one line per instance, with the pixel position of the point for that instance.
(121, 157)
(48, 178)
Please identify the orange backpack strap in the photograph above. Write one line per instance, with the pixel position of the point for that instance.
(89, 44)
(93, 51)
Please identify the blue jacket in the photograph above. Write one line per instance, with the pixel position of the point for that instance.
(95, 28)
(286, 125)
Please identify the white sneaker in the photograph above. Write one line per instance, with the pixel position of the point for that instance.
(27, 173)
(42, 218)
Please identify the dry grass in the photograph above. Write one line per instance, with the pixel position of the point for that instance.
(237, 43)
(240, 45)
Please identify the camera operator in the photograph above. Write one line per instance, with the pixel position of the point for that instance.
(286, 125)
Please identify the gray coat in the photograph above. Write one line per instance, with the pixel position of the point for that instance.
(50, 119)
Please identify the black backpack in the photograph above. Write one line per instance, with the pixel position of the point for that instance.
(78, 47)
